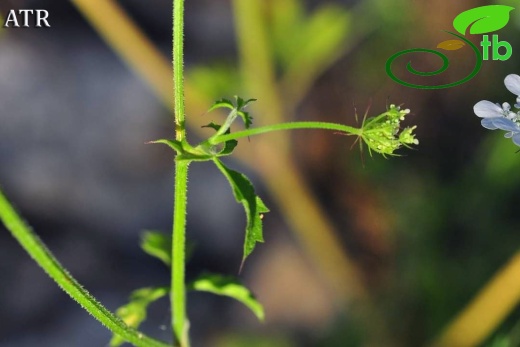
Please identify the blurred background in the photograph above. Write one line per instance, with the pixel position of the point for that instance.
(381, 254)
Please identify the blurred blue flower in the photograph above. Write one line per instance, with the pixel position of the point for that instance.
(487, 109)
(500, 117)
(512, 128)
(512, 83)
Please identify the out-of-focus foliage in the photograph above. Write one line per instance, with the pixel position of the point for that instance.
(427, 230)
(303, 44)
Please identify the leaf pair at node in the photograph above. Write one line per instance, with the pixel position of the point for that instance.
(158, 245)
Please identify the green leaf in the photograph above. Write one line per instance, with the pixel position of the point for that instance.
(236, 110)
(222, 103)
(158, 245)
(31, 243)
(248, 120)
(186, 152)
(229, 146)
(244, 193)
(241, 104)
(173, 144)
(228, 286)
(485, 19)
(134, 313)
(213, 126)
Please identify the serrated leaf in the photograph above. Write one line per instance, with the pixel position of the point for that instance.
(231, 287)
(485, 19)
(134, 313)
(222, 103)
(229, 146)
(241, 103)
(451, 45)
(248, 120)
(254, 207)
(157, 245)
(213, 126)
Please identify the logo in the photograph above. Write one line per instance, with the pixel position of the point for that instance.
(40, 18)
(480, 21)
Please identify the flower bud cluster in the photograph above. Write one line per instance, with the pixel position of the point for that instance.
(383, 133)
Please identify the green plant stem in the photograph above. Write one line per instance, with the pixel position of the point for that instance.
(178, 292)
(41, 254)
(285, 126)
(314, 231)
(178, 66)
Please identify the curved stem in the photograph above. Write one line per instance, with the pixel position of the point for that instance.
(41, 254)
(284, 126)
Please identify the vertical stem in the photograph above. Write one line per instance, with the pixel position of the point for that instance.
(178, 66)
(178, 292)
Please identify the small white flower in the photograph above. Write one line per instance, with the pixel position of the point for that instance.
(487, 109)
(512, 128)
(512, 83)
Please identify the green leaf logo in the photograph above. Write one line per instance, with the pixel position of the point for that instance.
(485, 19)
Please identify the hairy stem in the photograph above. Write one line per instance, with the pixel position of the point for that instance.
(344, 129)
(178, 68)
(39, 252)
(178, 292)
